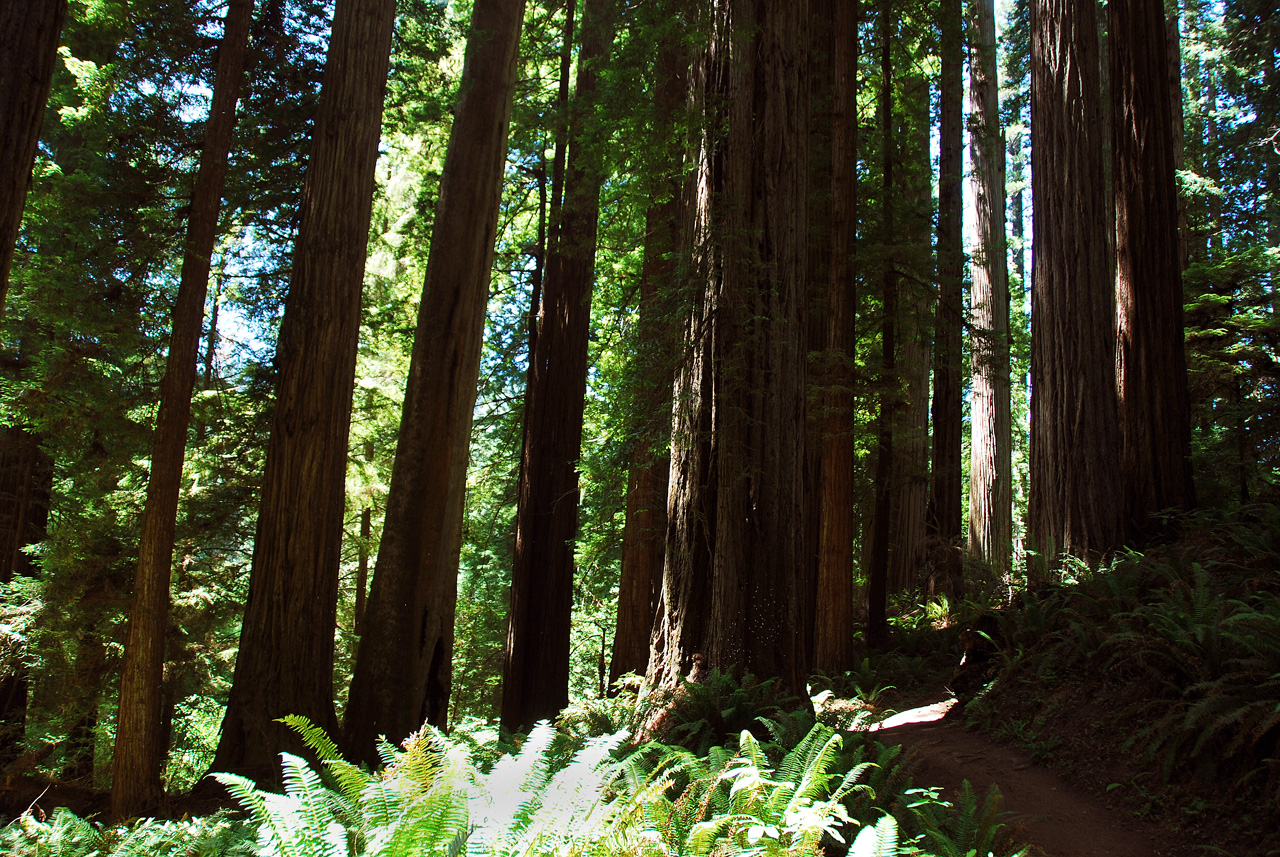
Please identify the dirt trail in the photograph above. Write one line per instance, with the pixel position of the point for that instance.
(1058, 819)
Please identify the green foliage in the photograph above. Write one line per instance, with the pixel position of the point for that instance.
(63, 834)
(1186, 643)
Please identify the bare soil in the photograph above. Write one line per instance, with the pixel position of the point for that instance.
(1045, 811)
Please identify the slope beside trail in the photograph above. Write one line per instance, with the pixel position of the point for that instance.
(1045, 810)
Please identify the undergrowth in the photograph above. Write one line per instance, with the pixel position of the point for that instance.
(1177, 655)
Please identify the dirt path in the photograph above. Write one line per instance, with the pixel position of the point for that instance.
(1055, 817)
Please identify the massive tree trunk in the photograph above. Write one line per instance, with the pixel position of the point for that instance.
(404, 667)
(140, 747)
(26, 478)
(878, 560)
(731, 589)
(1075, 502)
(991, 437)
(1151, 371)
(913, 255)
(833, 625)
(285, 663)
(948, 387)
(535, 676)
(644, 533)
(28, 53)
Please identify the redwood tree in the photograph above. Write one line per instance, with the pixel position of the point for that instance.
(140, 743)
(944, 500)
(28, 53)
(285, 662)
(1151, 371)
(833, 626)
(645, 530)
(991, 437)
(1075, 501)
(735, 556)
(535, 675)
(404, 664)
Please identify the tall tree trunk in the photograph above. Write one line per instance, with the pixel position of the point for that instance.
(948, 387)
(139, 749)
(79, 761)
(1151, 369)
(1075, 504)
(644, 533)
(28, 53)
(820, 77)
(913, 186)
(735, 558)
(833, 625)
(991, 437)
(285, 664)
(1173, 29)
(535, 683)
(404, 665)
(26, 479)
(878, 562)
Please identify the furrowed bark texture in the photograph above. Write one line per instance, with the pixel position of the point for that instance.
(1151, 370)
(535, 676)
(138, 761)
(991, 436)
(833, 626)
(404, 663)
(1075, 501)
(878, 560)
(945, 513)
(285, 663)
(644, 533)
(910, 426)
(740, 417)
(29, 31)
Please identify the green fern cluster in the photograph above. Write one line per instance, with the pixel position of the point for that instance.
(64, 834)
(1191, 632)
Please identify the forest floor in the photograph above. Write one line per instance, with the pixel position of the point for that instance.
(1045, 810)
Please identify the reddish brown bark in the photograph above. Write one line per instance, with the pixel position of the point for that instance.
(140, 747)
(1075, 503)
(731, 589)
(404, 671)
(535, 683)
(878, 559)
(645, 530)
(285, 663)
(991, 437)
(28, 53)
(833, 626)
(1151, 372)
(945, 513)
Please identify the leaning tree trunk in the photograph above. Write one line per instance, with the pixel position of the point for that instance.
(991, 436)
(833, 621)
(285, 664)
(403, 669)
(731, 589)
(535, 675)
(140, 747)
(28, 53)
(1075, 503)
(1151, 369)
(645, 529)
